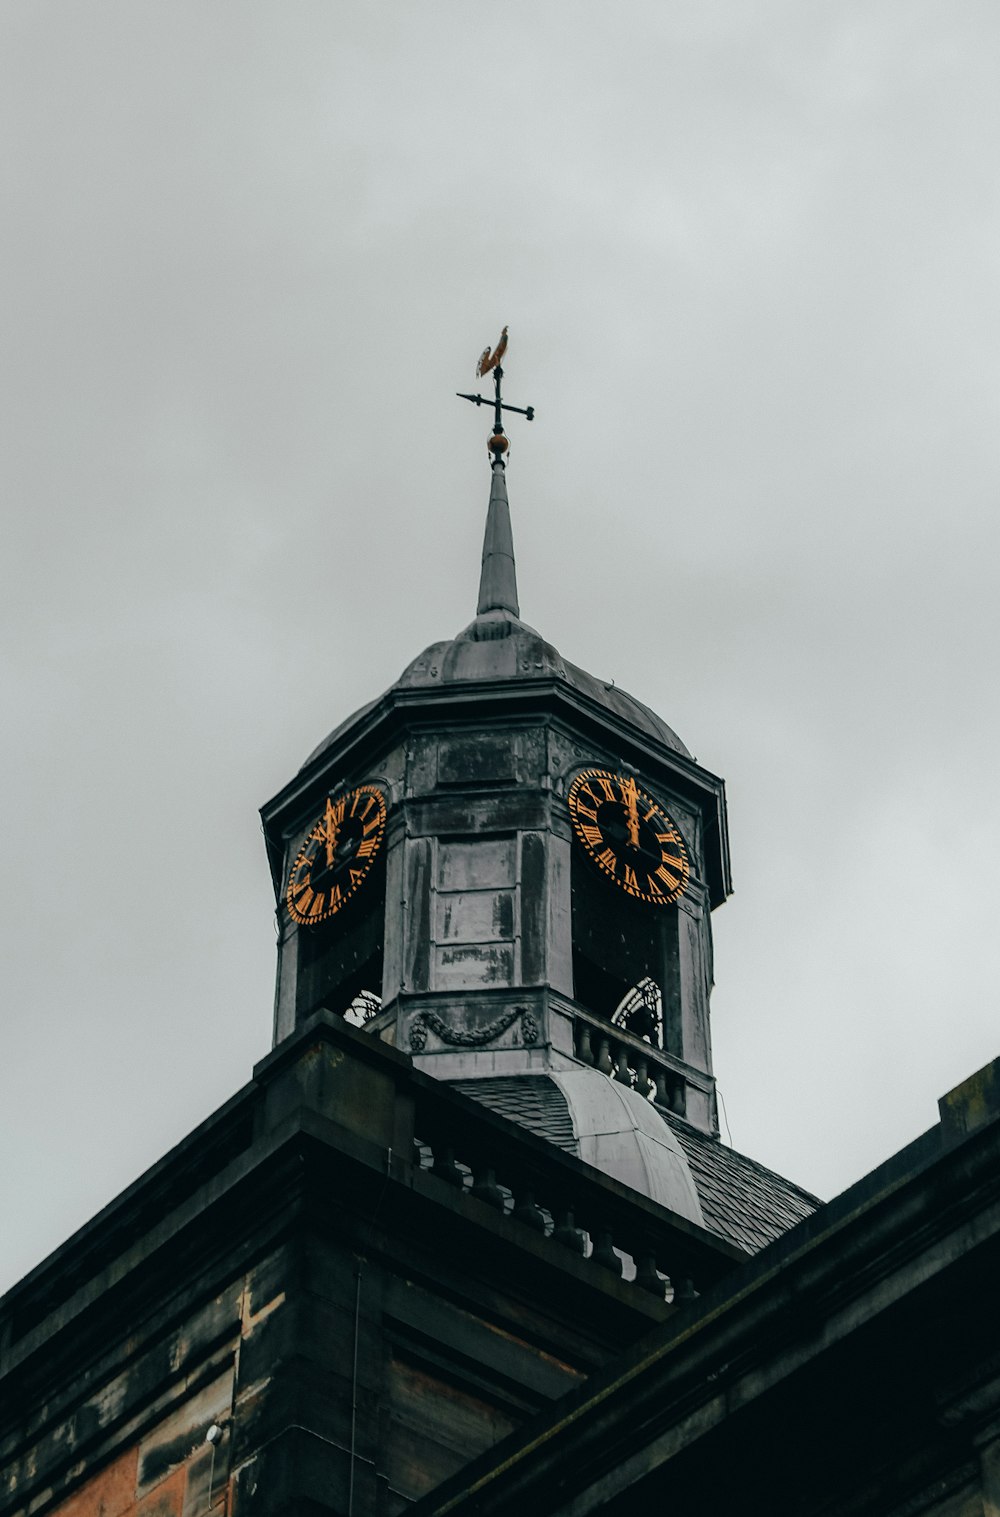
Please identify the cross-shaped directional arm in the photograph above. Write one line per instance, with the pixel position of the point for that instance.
(498, 405)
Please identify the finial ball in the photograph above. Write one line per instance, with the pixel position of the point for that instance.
(497, 444)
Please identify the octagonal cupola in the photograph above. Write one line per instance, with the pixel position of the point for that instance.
(516, 917)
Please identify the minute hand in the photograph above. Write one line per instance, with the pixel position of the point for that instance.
(631, 812)
(331, 826)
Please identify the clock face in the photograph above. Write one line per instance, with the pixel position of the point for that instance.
(336, 858)
(629, 836)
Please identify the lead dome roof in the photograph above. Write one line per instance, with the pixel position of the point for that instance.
(497, 646)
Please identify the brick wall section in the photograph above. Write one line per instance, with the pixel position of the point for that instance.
(109, 1494)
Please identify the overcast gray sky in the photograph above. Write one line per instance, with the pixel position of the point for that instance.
(748, 255)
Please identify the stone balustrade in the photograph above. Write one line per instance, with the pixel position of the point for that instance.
(629, 1059)
(532, 1185)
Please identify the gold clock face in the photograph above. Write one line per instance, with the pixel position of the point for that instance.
(337, 856)
(629, 836)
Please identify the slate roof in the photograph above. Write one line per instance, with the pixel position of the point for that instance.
(742, 1201)
(532, 1101)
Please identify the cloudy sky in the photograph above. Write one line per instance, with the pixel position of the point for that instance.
(748, 255)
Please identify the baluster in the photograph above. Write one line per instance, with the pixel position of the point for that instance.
(527, 1212)
(623, 1074)
(584, 1051)
(603, 1059)
(684, 1289)
(604, 1252)
(564, 1231)
(446, 1169)
(487, 1189)
(643, 1083)
(662, 1085)
(646, 1276)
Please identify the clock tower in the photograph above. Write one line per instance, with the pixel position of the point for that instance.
(482, 1160)
(506, 868)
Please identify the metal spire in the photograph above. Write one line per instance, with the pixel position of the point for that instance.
(498, 580)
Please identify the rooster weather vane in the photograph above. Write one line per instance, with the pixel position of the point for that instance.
(497, 443)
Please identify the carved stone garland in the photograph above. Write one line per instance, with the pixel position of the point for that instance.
(461, 1037)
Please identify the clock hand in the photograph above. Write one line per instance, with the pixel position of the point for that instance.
(632, 811)
(330, 824)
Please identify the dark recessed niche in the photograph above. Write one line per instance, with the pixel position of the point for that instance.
(343, 956)
(617, 943)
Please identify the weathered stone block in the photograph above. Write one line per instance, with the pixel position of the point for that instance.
(972, 1104)
(533, 898)
(478, 916)
(180, 1435)
(482, 865)
(324, 1080)
(472, 760)
(473, 964)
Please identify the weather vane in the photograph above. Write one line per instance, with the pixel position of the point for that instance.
(498, 443)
